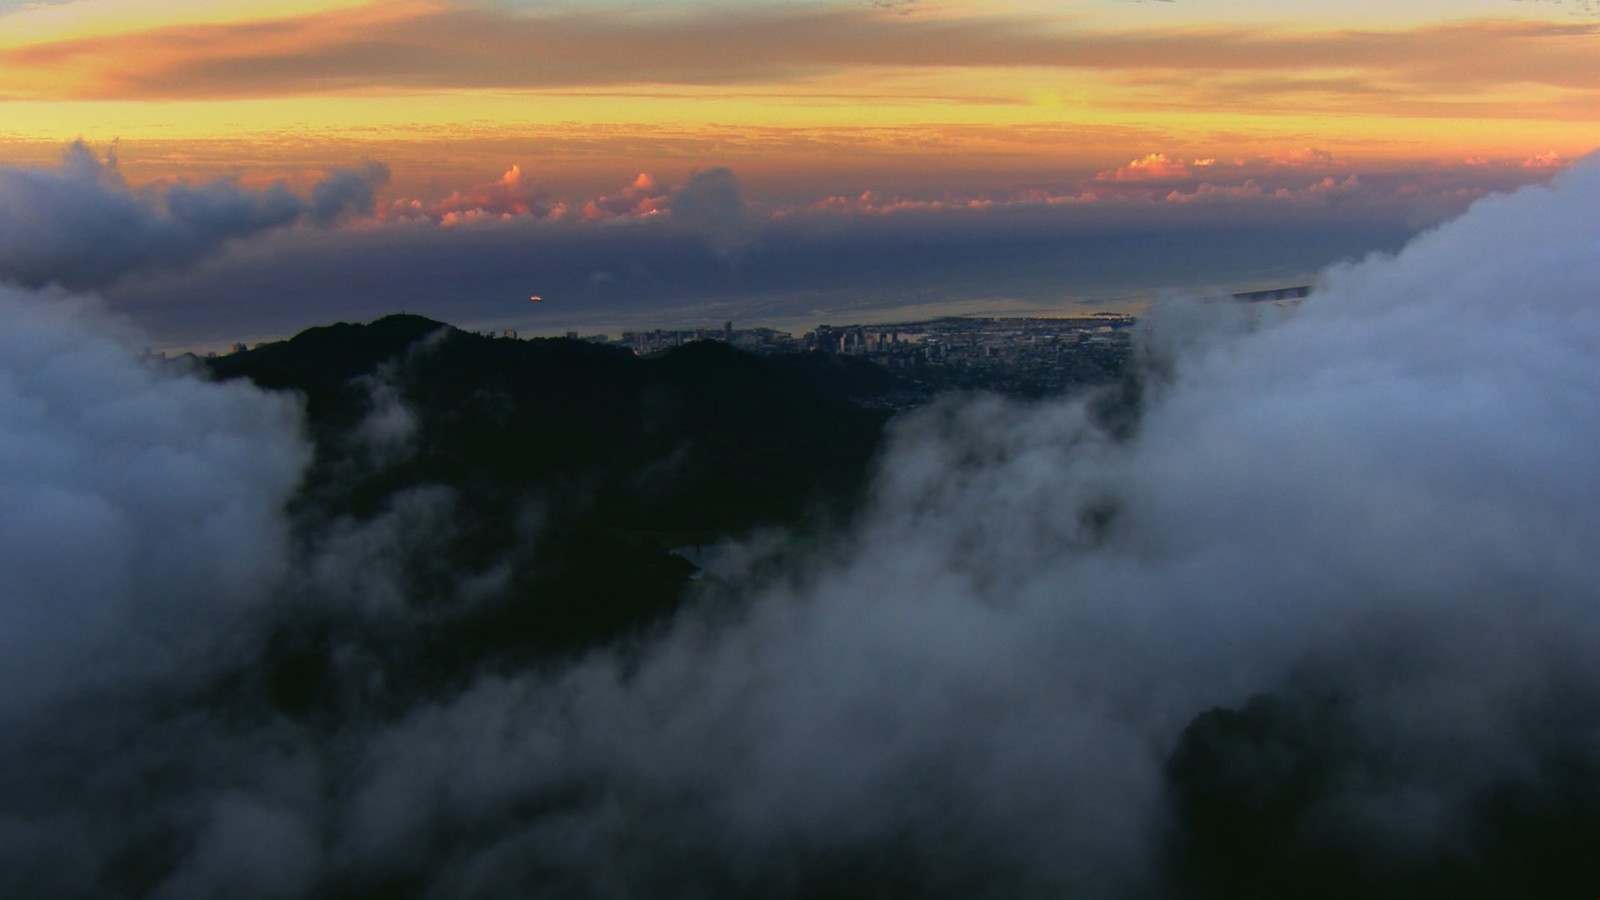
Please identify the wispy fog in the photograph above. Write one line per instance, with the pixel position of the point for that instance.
(1367, 523)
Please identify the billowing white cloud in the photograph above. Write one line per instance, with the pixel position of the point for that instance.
(1382, 498)
(142, 507)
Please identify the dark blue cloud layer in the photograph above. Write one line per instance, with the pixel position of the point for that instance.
(81, 226)
(671, 270)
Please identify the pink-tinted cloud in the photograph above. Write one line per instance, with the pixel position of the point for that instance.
(643, 197)
(513, 194)
(1162, 167)
(1325, 187)
(712, 204)
(1302, 156)
(1149, 166)
(710, 201)
(1546, 160)
(1295, 178)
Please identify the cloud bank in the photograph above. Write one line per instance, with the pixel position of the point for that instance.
(81, 225)
(1026, 672)
(654, 253)
(211, 263)
(143, 509)
(1384, 497)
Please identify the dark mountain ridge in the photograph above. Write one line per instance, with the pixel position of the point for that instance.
(565, 470)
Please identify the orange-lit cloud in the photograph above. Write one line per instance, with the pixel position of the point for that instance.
(1546, 160)
(1149, 166)
(643, 197)
(513, 194)
(1297, 175)
(1293, 178)
(803, 101)
(1161, 167)
(812, 100)
(414, 46)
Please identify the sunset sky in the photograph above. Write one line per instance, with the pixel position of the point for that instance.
(247, 169)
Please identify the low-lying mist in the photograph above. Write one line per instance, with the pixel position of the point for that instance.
(1324, 619)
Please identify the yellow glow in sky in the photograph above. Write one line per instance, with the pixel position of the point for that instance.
(36, 22)
(1368, 79)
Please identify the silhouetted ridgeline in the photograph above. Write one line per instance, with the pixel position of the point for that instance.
(709, 438)
(578, 465)
(510, 504)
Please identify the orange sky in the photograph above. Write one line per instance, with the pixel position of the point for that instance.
(797, 97)
(239, 170)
